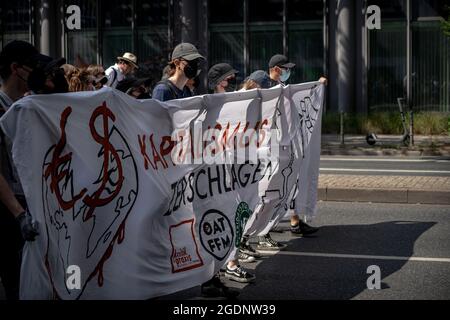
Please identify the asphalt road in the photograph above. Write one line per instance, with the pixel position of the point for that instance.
(438, 166)
(409, 243)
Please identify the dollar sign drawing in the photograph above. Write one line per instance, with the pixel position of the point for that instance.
(57, 170)
(109, 153)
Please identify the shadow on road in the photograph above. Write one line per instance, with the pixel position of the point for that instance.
(303, 277)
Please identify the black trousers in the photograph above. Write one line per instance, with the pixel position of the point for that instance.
(11, 243)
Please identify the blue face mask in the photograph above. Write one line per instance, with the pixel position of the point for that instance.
(285, 74)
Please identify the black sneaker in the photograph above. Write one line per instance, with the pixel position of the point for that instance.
(215, 288)
(279, 229)
(303, 229)
(245, 258)
(239, 275)
(246, 248)
(266, 243)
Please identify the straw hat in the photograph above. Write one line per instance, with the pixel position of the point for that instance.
(129, 57)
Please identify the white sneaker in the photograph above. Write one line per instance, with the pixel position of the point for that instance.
(245, 258)
(239, 275)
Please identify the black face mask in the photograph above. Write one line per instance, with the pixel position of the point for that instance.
(196, 82)
(231, 85)
(145, 95)
(38, 78)
(190, 70)
(59, 81)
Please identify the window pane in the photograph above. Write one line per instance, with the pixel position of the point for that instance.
(391, 9)
(265, 10)
(227, 45)
(117, 35)
(305, 32)
(226, 11)
(82, 44)
(303, 10)
(429, 8)
(265, 41)
(152, 28)
(226, 30)
(387, 57)
(16, 20)
(151, 12)
(387, 66)
(431, 67)
(266, 32)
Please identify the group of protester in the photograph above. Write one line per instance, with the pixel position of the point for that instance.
(24, 71)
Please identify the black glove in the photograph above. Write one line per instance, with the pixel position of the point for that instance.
(28, 228)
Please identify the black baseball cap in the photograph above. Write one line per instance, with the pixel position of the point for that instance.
(261, 78)
(132, 82)
(186, 51)
(280, 60)
(54, 64)
(218, 73)
(23, 53)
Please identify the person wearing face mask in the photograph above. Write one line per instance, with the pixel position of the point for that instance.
(222, 78)
(193, 84)
(279, 69)
(18, 60)
(279, 73)
(183, 66)
(48, 77)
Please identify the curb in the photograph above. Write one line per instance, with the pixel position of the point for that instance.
(407, 196)
(384, 152)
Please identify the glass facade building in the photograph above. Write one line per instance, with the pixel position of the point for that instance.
(367, 69)
(430, 56)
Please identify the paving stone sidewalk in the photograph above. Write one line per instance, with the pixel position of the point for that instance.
(385, 189)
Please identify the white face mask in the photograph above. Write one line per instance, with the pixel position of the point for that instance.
(285, 74)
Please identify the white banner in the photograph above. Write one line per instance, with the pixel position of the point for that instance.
(147, 198)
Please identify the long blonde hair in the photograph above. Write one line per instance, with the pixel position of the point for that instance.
(69, 70)
(80, 80)
(249, 84)
(95, 69)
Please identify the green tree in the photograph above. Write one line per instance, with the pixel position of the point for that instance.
(446, 24)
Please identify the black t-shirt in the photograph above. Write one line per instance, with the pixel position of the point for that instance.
(165, 90)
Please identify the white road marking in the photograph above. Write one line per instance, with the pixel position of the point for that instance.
(355, 256)
(382, 160)
(384, 170)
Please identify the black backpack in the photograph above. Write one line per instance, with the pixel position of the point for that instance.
(171, 86)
